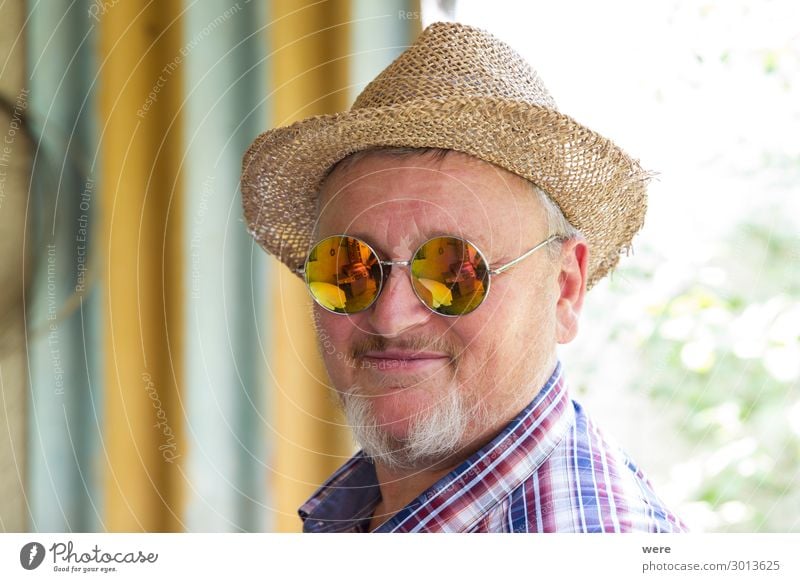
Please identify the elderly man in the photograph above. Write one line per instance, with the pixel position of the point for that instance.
(448, 227)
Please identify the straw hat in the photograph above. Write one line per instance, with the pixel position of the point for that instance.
(459, 88)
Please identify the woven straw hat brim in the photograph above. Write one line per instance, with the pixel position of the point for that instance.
(600, 189)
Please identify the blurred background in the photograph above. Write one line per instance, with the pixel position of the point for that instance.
(158, 372)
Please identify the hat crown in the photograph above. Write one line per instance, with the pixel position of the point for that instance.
(449, 61)
(456, 88)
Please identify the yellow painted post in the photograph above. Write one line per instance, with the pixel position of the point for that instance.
(309, 44)
(140, 192)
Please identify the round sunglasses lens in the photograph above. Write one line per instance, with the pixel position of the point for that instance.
(343, 274)
(450, 275)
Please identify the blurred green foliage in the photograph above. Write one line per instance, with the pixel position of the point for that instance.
(723, 354)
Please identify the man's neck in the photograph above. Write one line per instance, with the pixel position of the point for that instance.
(400, 487)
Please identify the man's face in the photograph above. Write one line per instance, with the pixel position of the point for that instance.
(420, 385)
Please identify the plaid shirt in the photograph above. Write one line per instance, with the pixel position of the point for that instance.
(549, 470)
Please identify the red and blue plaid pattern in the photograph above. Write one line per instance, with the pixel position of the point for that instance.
(549, 470)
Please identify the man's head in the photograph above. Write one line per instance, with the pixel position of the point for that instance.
(417, 386)
(457, 88)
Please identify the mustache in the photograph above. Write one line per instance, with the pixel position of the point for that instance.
(417, 343)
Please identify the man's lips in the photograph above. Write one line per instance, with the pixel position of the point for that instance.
(404, 355)
(400, 360)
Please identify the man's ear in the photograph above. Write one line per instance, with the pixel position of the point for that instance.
(572, 286)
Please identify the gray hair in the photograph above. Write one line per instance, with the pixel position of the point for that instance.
(557, 223)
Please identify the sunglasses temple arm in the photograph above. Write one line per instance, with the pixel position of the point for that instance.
(524, 256)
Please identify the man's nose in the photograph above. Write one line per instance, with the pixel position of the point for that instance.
(398, 309)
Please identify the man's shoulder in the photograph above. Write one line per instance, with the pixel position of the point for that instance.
(588, 484)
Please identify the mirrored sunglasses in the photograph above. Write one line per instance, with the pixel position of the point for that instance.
(449, 274)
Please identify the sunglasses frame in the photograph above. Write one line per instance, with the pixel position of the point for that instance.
(384, 274)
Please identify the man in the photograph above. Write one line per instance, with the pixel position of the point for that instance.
(447, 228)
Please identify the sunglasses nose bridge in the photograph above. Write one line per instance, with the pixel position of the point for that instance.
(387, 265)
(386, 271)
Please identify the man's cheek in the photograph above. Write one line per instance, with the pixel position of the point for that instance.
(325, 344)
(341, 359)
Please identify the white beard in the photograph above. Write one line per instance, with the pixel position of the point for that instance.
(434, 434)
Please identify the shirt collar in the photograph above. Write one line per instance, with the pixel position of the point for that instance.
(345, 501)
(459, 499)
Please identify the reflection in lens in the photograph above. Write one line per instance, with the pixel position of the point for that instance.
(450, 275)
(343, 274)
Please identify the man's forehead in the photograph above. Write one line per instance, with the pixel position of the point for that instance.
(401, 201)
(450, 179)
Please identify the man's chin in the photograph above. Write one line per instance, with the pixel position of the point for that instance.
(395, 448)
(435, 377)
(393, 404)
(395, 410)
(410, 428)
